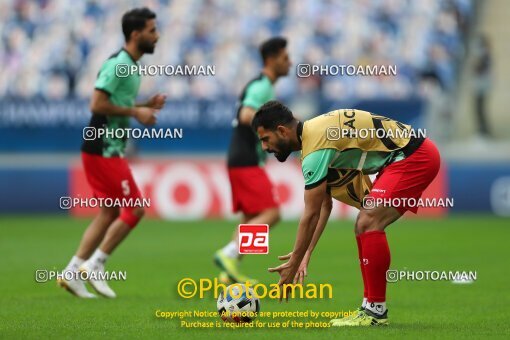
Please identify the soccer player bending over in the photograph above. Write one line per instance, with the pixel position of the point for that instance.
(108, 173)
(337, 164)
(252, 191)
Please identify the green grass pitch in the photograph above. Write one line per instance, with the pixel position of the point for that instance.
(159, 253)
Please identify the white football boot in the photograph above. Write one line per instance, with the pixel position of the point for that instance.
(76, 287)
(101, 286)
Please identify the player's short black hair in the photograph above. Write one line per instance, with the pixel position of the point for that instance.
(271, 115)
(272, 47)
(135, 20)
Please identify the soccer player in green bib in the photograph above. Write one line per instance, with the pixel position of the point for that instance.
(252, 191)
(107, 171)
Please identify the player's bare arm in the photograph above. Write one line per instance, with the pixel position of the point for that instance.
(157, 102)
(246, 115)
(307, 225)
(100, 104)
(327, 206)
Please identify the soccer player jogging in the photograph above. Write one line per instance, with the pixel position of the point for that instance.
(108, 173)
(338, 164)
(252, 191)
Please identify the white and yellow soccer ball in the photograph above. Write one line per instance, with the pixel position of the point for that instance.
(238, 304)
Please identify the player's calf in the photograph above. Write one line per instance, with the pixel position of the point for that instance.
(375, 255)
(96, 230)
(120, 228)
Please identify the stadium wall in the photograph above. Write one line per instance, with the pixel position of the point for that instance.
(186, 185)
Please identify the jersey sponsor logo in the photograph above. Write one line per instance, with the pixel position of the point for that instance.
(379, 190)
(309, 174)
(253, 238)
(350, 118)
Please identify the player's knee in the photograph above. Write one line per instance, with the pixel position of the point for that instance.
(110, 214)
(271, 216)
(328, 204)
(139, 211)
(276, 217)
(367, 220)
(131, 216)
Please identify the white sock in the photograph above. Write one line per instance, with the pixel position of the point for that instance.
(99, 257)
(377, 308)
(364, 303)
(74, 264)
(231, 250)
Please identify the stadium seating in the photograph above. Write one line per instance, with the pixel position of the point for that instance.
(54, 48)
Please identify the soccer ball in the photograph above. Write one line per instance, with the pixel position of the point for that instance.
(235, 304)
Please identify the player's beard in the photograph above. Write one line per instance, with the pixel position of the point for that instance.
(283, 71)
(283, 151)
(146, 46)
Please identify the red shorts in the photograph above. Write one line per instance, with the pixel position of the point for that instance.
(109, 177)
(409, 177)
(252, 191)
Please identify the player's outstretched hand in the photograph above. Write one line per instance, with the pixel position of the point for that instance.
(302, 271)
(157, 101)
(287, 273)
(145, 115)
